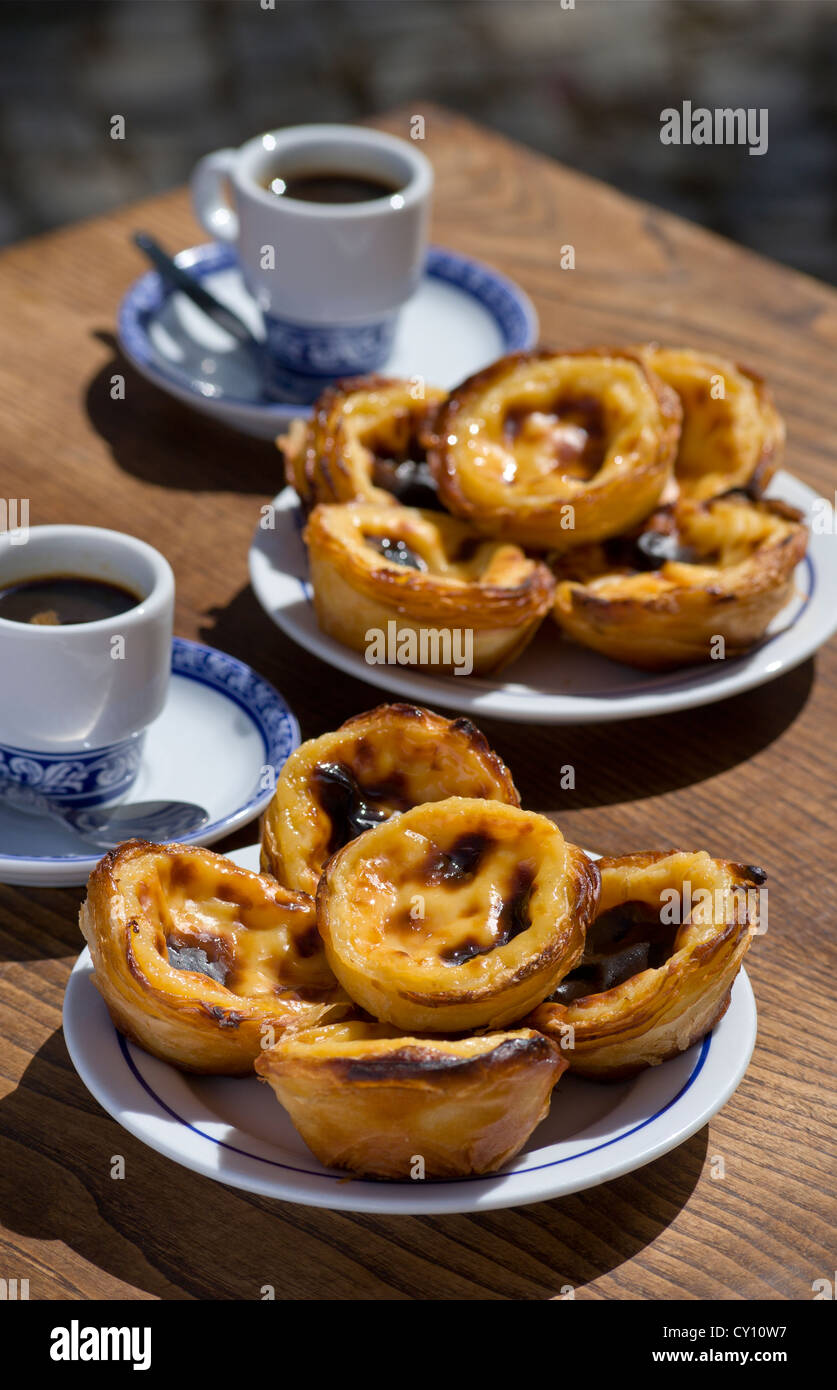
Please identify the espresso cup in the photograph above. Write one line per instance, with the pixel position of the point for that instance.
(329, 278)
(76, 699)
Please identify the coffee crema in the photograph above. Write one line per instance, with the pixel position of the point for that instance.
(327, 185)
(59, 600)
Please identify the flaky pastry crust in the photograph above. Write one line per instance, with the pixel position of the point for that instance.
(456, 915)
(384, 761)
(363, 435)
(732, 435)
(673, 977)
(369, 1099)
(425, 572)
(556, 449)
(732, 573)
(200, 962)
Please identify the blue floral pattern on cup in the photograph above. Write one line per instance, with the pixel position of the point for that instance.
(330, 350)
(76, 779)
(258, 701)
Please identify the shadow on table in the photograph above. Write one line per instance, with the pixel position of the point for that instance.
(320, 696)
(39, 924)
(174, 1234)
(635, 759)
(612, 762)
(148, 431)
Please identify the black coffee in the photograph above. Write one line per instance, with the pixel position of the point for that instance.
(327, 186)
(59, 599)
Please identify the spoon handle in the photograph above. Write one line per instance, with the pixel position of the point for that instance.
(23, 798)
(187, 285)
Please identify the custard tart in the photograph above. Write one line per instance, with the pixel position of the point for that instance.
(659, 962)
(334, 787)
(200, 962)
(732, 436)
(456, 915)
(700, 581)
(419, 588)
(369, 1099)
(365, 442)
(556, 449)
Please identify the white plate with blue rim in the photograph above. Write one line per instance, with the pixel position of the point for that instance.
(224, 733)
(462, 316)
(233, 1129)
(554, 681)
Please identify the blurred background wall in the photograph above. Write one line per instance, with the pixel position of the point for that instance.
(585, 85)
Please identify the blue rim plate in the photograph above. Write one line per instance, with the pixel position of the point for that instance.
(232, 1129)
(506, 306)
(271, 732)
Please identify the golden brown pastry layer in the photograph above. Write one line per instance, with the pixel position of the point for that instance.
(333, 788)
(556, 449)
(732, 436)
(201, 962)
(369, 1099)
(659, 962)
(730, 571)
(365, 441)
(457, 915)
(425, 573)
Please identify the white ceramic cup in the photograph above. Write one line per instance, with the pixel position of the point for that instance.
(329, 278)
(75, 702)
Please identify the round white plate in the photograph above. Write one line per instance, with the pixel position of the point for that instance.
(234, 1130)
(462, 316)
(554, 681)
(222, 725)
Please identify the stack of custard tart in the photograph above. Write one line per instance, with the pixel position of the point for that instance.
(618, 489)
(420, 959)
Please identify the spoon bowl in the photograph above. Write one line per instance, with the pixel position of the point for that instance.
(107, 826)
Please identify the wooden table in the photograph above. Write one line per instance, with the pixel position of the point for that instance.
(750, 779)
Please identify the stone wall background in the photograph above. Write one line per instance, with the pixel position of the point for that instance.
(585, 85)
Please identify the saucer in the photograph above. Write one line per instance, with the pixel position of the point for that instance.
(463, 316)
(221, 727)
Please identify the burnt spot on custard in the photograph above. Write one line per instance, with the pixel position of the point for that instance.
(201, 954)
(396, 551)
(230, 893)
(621, 943)
(466, 949)
(653, 549)
(399, 462)
(409, 480)
(577, 427)
(514, 918)
(309, 942)
(460, 863)
(183, 872)
(658, 543)
(351, 808)
(468, 548)
(416, 1061)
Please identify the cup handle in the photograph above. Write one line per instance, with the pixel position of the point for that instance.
(211, 207)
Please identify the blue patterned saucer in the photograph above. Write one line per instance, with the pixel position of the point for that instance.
(221, 738)
(463, 316)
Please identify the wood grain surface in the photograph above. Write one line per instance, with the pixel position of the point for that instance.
(750, 779)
